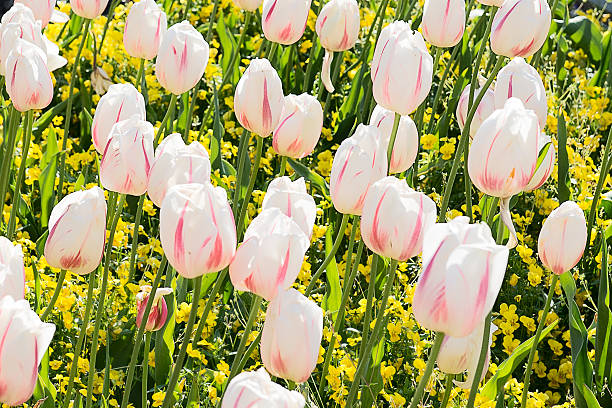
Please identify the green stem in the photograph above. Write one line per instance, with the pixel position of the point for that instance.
(56, 293)
(27, 136)
(169, 113)
(236, 51)
(208, 306)
(484, 347)
(396, 122)
(272, 51)
(251, 186)
(431, 362)
(437, 98)
(7, 158)
(311, 56)
(245, 335)
(369, 302)
(243, 153)
(448, 390)
(283, 166)
(140, 74)
(84, 29)
(145, 369)
(134, 249)
(534, 346)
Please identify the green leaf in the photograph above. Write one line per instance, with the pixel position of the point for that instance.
(164, 344)
(40, 243)
(46, 180)
(590, 398)
(563, 161)
(333, 292)
(228, 44)
(603, 336)
(586, 35)
(311, 176)
(45, 119)
(217, 139)
(505, 369)
(601, 74)
(44, 388)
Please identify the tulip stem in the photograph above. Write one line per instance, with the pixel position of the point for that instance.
(169, 397)
(367, 317)
(330, 256)
(209, 303)
(283, 166)
(25, 148)
(169, 112)
(536, 339)
(243, 149)
(56, 293)
(145, 367)
(436, 100)
(484, 347)
(84, 29)
(431, 362)
(134, 249)
(251, 186)
(311, 56)
(98, 319)
(396, 122)
(140, 74)
(138, 340)
(8, 146)
(448, 389)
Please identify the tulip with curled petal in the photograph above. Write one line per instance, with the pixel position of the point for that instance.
(284, 21)
(255, 389)
(145, 26)
(443, 22)
(12, 272)
(406, 145)
(299, 127)
(88, 8)
(292, 199)
(159, 309)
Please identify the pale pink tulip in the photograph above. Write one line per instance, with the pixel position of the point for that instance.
(12, 272)
(255, 389)
(159, 309)
(88, 8)
(291, 336)
(284, 21)
(44, 11)
(292, 199)
(18, 13)
(248, 5)
(197, 229)
(443, 22)
(145, 26)
(406, 145)
(299, 127)
(496, 3)
(485, 108)
(546, 166)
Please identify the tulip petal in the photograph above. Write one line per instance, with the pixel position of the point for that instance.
(325, 71)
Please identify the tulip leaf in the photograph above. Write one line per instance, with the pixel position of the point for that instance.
(505, 369)
(603, 336)
(311, 176)
(333, 292)
(44, 390)
(563, 161)
(604, 65)
(590, 398)
(164, 344)
(46, 180)
(45, 119)
(586, 35)
(228, 45)
(217, 139)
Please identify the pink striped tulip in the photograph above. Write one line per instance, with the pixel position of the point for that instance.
(18, 13)
(395, 219)
(292, 199)
(520, 27)
(563, 238)
(12, 272)
(77, 231)
(546, 166)
(485, 108)
(520, 80)
(159, 309)
(175, 163)
(496, 3)
(443, 22)
(121, 102)
(463, 270)
(145, 26)
(88, 8)
(299, 127)
(197, 229)
(127, 158)
(44, 11)
(259, 99)
(284, 21)
(402, 69)
(248, 5)
(360, 161)
(182, 58)
(255, 389)
(25, 340)
(271, 255)
(406, 144)
(293, 323)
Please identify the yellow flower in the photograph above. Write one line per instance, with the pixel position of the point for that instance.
(158, 398)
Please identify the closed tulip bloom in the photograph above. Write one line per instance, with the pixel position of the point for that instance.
(28, 81)
(546, 166)
(291, 336)
(25, 340)
(360, 161)
(248, 5)
(88, 8)
(299, 127)
(443, 22)
(520, 80)
(12, 272)
(485, 108)
(197, 229)
(520, 27)
(77, 230)
(159, 309)
(271, 255)
(406, 145)
(127, 158)
(395, 219)
(463, 270)
(292, 199)
(259, 99)
(255, 389)
(284, 21)
(402, 69)
(563, 238)
(145, 26)
(181, 59)
(496, 3)
(44, 11)
(175, 163)
(122, 101)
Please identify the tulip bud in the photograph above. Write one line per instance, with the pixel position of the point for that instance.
(28, 81)
(292, 199)
(402, 69)
(44, 11)
(563, 238)
(546, 166)
(520, 80)
(121, 102)
(175, 163)
(360, 161)
(443, 22)
(258, 101)
(248, 5)
(299, 127)
(293, 322)
(271, 255)
(284, 21)
(197, 229)
(159, 309)
(463, 270)
(145, 26)
(88, 8)
(406, 145)
(127, 158)
(395, 219)
(77, 230)
(12, 272)
(485, 108)
(520, 27)
(182, 58)
(254, 389)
